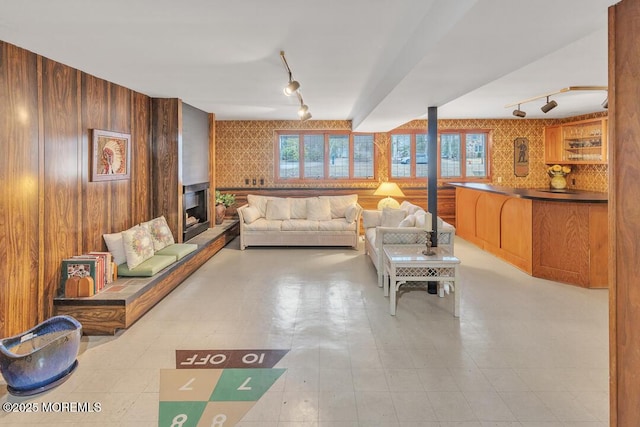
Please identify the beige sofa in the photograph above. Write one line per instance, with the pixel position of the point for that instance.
(292, 221)
(399, 227)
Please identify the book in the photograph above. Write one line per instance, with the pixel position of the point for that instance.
(108, 265)
(78, 267)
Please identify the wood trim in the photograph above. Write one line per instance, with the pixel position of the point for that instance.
(613, 160)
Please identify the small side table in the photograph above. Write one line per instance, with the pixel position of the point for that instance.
(404, 263)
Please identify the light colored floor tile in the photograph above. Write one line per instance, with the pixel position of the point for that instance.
(525, 352)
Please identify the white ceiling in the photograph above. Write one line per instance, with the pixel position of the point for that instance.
(379, 63)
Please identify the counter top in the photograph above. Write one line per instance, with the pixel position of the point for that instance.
(569, 195)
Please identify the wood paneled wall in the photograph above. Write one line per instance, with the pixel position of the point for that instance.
(49, 209)
(624, 213)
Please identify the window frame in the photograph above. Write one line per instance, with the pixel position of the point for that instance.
(327, 158)
(463, 155)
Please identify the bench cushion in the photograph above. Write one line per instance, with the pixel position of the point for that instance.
(178, 250)
(147, 268)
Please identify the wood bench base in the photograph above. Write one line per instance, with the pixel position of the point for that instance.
(127, 299)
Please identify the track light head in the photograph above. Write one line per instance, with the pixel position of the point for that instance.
(306, 116)
(605, 103)
(291, 88)
(550, 105)
(303, 110)
(519, 112)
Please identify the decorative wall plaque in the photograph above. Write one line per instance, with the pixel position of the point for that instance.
(521, 157)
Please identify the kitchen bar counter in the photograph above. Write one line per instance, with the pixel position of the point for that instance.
(569, 195)
(561, 236)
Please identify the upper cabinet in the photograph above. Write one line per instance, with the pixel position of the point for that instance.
(582, 142)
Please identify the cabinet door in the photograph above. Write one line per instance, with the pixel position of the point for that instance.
(553, 144)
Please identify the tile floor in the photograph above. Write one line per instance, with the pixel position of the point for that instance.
(525, 352)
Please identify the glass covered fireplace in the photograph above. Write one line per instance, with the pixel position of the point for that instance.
(195, 201)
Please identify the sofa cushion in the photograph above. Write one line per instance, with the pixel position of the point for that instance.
(336, 224)
(300, 225)
(148, 267)
(371, 219)
(277, 209)
(392, 217)
(339, 204)
(298, 207)
(160, 233)
(264, 224)
(115, 246)
(178, 250)
(250, 214)
(423, 220)
(259, 202)
(351, 212)
(318, 209)
(138, 245)
(370, 235)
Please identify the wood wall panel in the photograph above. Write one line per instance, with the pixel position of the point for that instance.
(598, 246)
(624, 225)
(63, 180)
(165, 170)
(19, 192)
(97, 197)
(49, 209)
(119, 121)
(141, 154)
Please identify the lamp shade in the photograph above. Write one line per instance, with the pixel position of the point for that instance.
(388, 189)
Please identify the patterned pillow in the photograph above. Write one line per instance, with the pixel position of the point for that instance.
(160, 233)
(138, 245)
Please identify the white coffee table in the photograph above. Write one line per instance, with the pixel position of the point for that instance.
(405, 263)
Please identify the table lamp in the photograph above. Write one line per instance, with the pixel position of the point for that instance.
(388, 189)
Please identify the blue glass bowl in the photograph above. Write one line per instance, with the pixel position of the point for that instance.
(42, 357)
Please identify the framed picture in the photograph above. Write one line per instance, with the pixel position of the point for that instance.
(111, 153)
(521, 157)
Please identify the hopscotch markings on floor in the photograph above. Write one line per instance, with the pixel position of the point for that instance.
(215, 387)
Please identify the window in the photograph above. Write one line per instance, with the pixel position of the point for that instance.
(324, 156)
(462, 154)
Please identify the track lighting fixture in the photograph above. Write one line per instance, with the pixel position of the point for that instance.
(518, 112)
(293, 87)
(550, 105)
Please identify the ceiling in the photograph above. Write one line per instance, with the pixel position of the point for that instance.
(379, 63)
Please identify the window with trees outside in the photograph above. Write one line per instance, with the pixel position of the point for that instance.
(316, 156)
(461, 154)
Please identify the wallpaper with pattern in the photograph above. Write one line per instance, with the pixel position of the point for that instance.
(245, 150)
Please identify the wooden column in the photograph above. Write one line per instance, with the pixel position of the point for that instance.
(624, 213)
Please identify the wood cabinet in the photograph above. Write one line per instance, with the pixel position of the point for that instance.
(581, 142)
(565, 241)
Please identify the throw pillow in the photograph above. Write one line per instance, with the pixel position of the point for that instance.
(298, 207)
(408, 221)
(259, 202)
(339, 204)
(278, 209)
(116, 247)
(318, 209)
(409, 207)
(138, 245)
(160, 233)
(371, 218)
(250, 214)
(423, 220)
(351, 213)
(392, 217)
